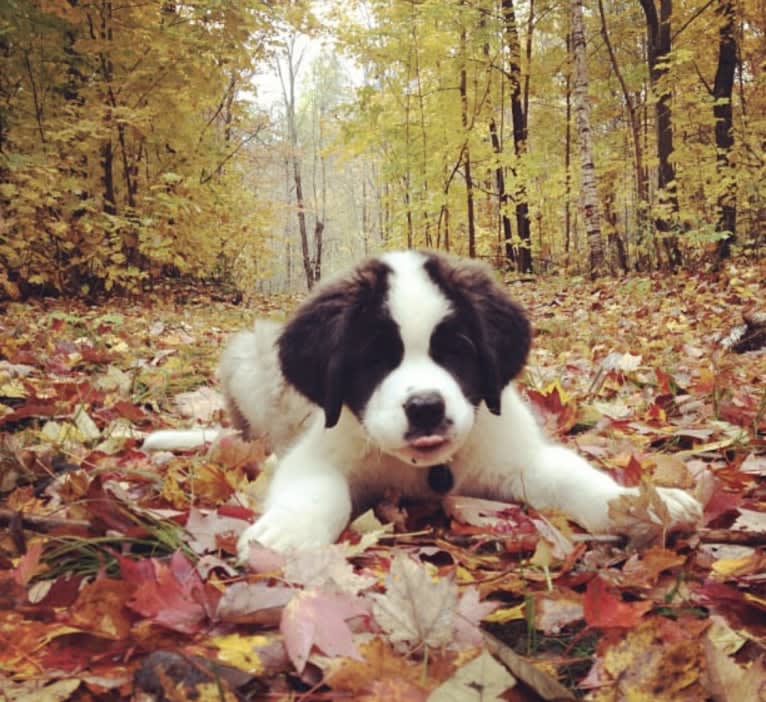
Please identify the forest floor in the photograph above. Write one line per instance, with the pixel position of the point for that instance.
(118, 577)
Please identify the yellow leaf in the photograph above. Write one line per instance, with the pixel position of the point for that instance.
(241, 651)
(734, 566)
(543, 554)
(13, 389)
(507, 614)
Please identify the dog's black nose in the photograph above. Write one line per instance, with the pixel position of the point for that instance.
(425, 410)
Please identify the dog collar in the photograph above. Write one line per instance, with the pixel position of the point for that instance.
(440, 479)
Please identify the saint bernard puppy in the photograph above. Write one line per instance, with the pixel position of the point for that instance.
(398, 375)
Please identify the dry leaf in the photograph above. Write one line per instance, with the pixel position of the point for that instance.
(416, 610)
(729, 682)
(481, 680)
(326, 568)
(644, 518)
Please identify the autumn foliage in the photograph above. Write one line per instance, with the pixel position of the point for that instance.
(117, 569)
(140, 140)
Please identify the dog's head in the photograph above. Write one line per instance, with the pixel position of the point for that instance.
(412, 343)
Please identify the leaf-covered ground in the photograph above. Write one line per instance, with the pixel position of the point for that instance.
(117, 571)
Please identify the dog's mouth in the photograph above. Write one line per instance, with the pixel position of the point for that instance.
(427, 449)
(428, 443)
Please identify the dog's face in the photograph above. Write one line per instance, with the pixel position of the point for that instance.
(411, 343)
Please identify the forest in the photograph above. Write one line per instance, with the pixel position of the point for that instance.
(545, 137)
(172, 171)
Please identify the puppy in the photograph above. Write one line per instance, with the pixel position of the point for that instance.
(398, 375)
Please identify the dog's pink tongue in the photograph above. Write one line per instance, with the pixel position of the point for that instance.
(428, 441)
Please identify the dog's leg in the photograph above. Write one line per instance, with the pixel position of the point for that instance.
(522, 464)
(308, 505)
(561, 479)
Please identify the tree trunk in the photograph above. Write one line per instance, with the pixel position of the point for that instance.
(519, 120)
(502, 196)
(724, 133)
(642, 184)
(568, 158)
(288, 95)
(471, 223)
(658, 55)
(589, 193)
(109, 204)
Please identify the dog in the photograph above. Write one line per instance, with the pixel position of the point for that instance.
(398, 375)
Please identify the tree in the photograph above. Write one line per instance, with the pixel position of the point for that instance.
(724, 127)
(658, 27)
(288, 72)
(519, 120)
(636, 136)
(130, 163)
(588, 190)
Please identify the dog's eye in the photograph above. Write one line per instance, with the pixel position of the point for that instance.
(448, 348)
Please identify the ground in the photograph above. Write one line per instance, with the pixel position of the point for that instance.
(118, 577)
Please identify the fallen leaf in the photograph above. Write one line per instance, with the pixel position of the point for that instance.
(643, 569)
(378, 661)
(416, 609)
(325, 568)
(202, 404)
(644, 518)
(470, 613)
(604, 610)
(545, 685)
(645, 667)
(481, 680)
(555, 611)
(36, 691)
(171, 594)
(394, 690)
(253, 603)
(259, 654)
(730, 682)
(316, 618)
(207, 528)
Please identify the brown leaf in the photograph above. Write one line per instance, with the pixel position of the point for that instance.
(644, 518)
(650, 664)
(378, 661)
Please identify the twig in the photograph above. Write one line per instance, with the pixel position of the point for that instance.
(541, 682)
(36, 523)
(727, 536)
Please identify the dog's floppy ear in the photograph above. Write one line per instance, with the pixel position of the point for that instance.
(501, 331)
(314, 346)
(311, 351)
(507, 337)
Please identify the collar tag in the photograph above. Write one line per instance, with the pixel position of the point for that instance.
(440, 479)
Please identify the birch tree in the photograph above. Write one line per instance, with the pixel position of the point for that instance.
(287, 71)
(588, 190)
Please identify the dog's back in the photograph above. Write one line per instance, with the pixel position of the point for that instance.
(259, 401)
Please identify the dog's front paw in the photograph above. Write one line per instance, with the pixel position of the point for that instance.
(684, 509)
(284, 530)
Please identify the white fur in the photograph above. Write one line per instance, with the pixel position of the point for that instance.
(418, 306)
(180, 439)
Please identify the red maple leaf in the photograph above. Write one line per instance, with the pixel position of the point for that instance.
(318, 618)
(605, 610)
(172, 594)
